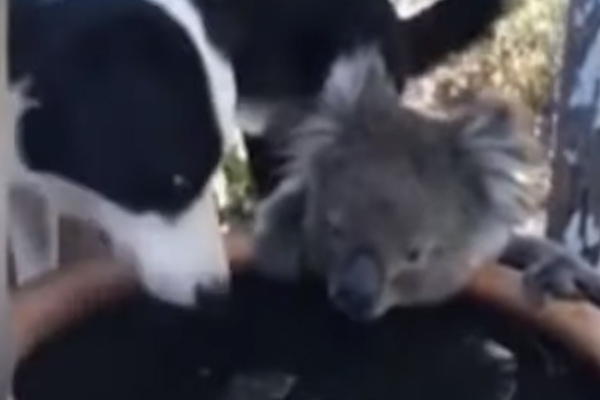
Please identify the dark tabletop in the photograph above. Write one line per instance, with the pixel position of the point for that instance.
(282, 342)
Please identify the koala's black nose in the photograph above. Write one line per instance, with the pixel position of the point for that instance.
(213, 300)
(356, 287)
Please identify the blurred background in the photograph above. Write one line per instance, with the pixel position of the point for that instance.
(520, 60)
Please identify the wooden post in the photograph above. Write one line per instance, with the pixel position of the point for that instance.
(574, 209)
(6, 137)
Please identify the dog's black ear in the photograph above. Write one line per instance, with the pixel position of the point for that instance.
(279, 231)
(446, 27)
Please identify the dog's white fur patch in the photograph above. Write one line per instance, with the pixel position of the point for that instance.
(219, 71)
(33, 232)
(174, 257)
(32, 220)
(254, 116)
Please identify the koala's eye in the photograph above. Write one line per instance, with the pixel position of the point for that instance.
(419, 253)
(413, 255)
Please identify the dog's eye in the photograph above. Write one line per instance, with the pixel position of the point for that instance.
(180, 182)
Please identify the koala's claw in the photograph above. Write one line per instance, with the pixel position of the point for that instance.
(562, 277)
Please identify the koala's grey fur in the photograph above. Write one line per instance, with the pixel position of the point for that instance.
(399, 208)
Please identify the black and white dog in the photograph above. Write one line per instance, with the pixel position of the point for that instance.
(125, 105)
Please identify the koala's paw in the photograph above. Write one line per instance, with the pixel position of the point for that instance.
(563, 276)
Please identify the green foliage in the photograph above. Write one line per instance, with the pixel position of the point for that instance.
(240, 191)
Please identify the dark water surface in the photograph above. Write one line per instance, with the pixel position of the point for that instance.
(282, 342)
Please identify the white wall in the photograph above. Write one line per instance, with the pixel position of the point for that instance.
(6, 132)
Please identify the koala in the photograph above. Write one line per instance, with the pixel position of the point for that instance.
(392, 207)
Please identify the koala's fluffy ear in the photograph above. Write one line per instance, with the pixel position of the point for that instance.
(358, 80)
(498, 150)
(279, 231)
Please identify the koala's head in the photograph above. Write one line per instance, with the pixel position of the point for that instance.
(392, 207)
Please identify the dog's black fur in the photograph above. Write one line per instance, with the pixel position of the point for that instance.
(283, 49)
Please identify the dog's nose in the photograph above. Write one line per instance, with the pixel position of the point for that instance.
(213, 299)
(356, 288)
(355, 305)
